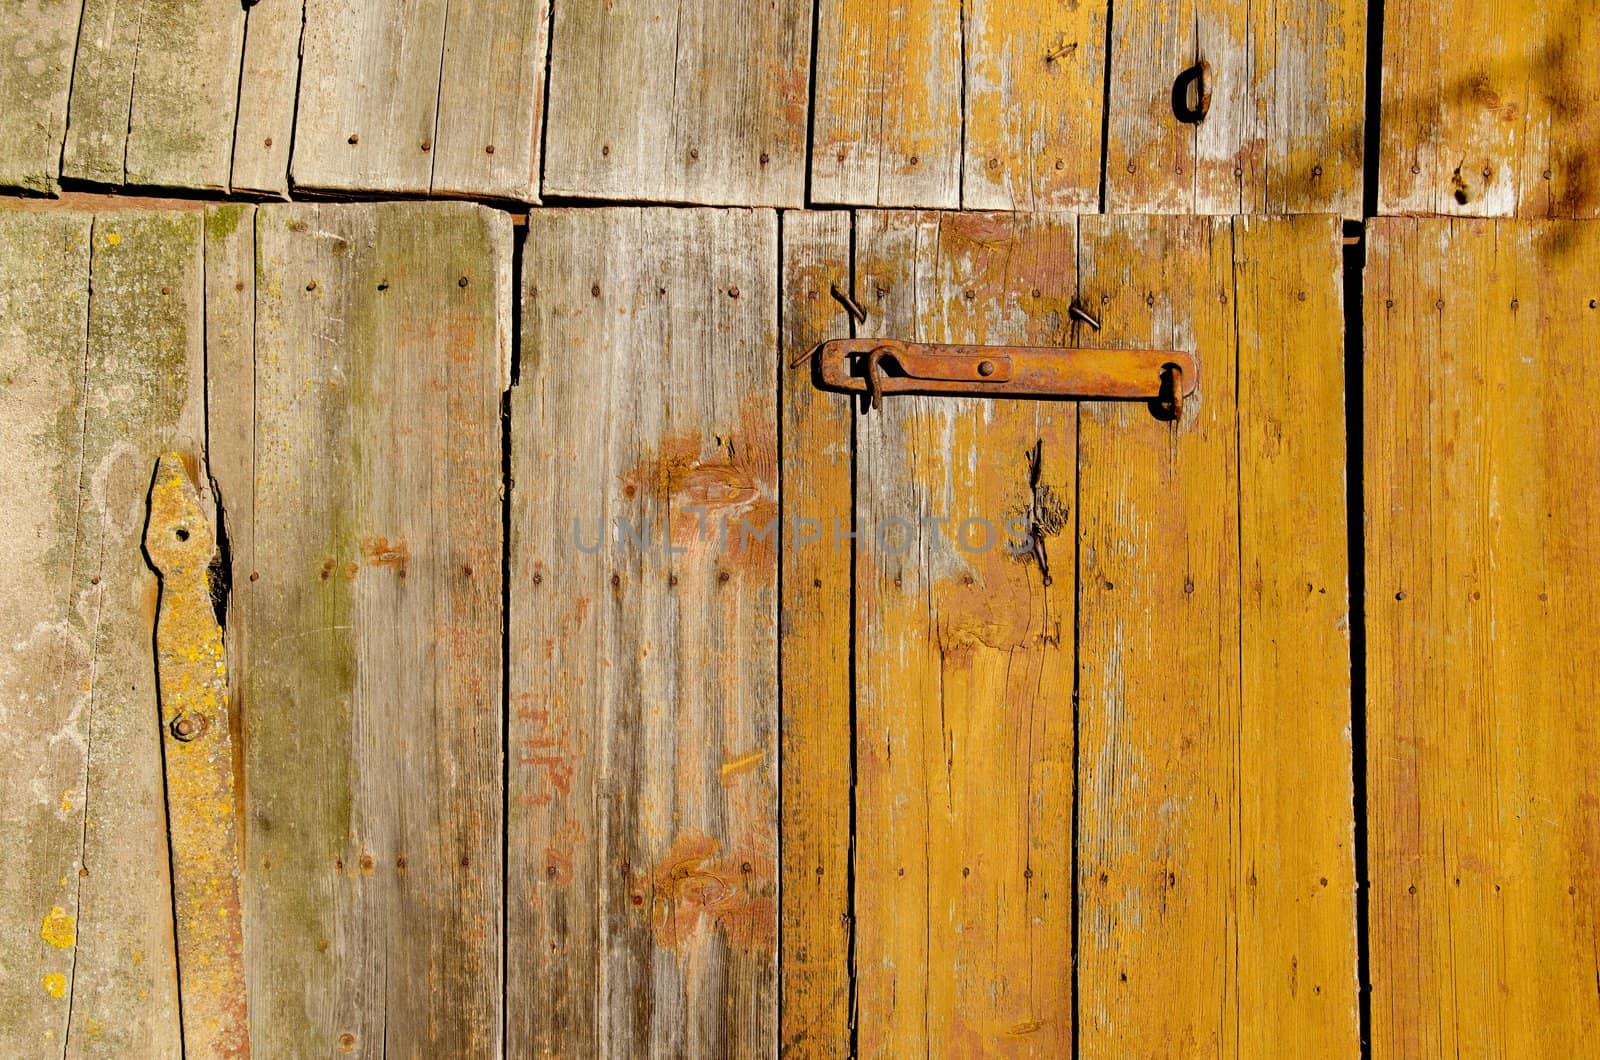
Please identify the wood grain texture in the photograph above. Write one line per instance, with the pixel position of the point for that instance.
(371, 703)
(643, 831)
(680, 102)
(1490, 111)
(116, 381)
(491, 100)
(154, 93)
(814, 643)
(1034, 95)
(268, 82)
(1184, 613)
(369, 95)
(887, 112)
(964, 736)
(1284, 130)
(1483, 523)
(37, 42)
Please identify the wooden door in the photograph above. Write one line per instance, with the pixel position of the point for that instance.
(1077, 748)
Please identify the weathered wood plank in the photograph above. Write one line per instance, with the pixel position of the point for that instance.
(369, 95)
(37, 42)
(1489, 111)
(154, 93)
(372, 699)
(1284, 130)
(268, 81)
(964, 736)
(46, 667)
(1295, 873)
(1191, 761)
(491, 100)
(105, 383)
(887, 121)
(814, 647)
(643, 845)
(685, 102)
(1034, 95)
(1483, 523)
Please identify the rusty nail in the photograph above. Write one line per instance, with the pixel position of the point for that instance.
(461, 282)
(986, 368)
(1077, 312)
(851, 306)
(488, 149)
(354, 139)
(1061, 50)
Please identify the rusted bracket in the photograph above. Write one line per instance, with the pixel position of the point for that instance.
(202, 830)
(876, 367)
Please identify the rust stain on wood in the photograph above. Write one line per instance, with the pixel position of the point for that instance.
(691, 888)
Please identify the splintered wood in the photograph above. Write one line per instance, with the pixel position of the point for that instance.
(1483, 541)
(643, 852)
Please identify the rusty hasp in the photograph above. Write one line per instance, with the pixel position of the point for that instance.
(876, 367)
(202, 832)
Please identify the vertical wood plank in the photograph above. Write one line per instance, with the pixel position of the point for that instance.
(814, 647)
(491, 100)
(1487, 113)
(116, 382)
(887, 122)
(1159, 656)
(37, 42)
(268, 83)
(964, 736)
(1283, 133)
(369, 95)
(371, 704)
(644, 730)
(47, 663)
(1034, 94)
(1296, 872)
(1483, 523)
(685, 102)
(154, 92)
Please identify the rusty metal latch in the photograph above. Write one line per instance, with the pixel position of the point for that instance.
(202, 831)
(876, 367)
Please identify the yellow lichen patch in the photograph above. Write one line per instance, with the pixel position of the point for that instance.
(60, 928)
(112, 239)
(55, 984)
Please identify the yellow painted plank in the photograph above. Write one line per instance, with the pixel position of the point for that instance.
(1483, 523)
(1033, 91)
(814, 648)
(1490, 110)
(886, 122)
(1214, 812)
(1283, 133)
(964, 740)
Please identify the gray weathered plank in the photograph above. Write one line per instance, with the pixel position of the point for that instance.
(491, 100)
(643, 836)
(102, 385)
(268, 81)
(154, 93)
(46, 663)
(683, 102)
(371, 702)
(887, 125)
(37, 41)
(369, 93)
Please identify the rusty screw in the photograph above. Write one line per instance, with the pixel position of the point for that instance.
(186, 727)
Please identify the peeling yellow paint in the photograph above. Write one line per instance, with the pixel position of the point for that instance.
(59, 928)
(55, 984)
